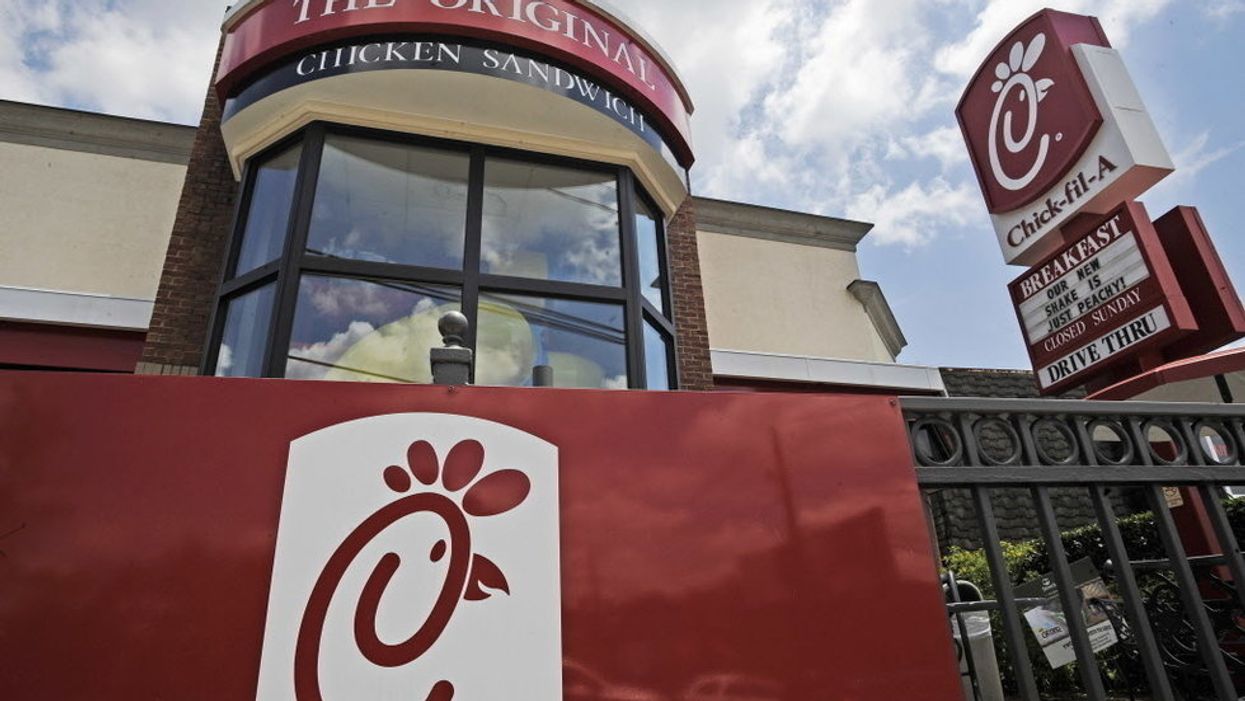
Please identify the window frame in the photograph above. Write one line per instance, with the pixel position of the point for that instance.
(295, 261)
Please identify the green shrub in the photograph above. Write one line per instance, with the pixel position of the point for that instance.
(1028, 560)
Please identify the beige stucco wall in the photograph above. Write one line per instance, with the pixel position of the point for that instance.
(766, 296)
(82, 222)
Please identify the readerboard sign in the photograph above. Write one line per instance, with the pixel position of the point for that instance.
(1107, 295)
(1055, 128)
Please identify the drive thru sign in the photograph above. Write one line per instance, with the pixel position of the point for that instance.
(1109, 294)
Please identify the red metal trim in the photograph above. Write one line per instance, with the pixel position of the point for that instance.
(70, 348)
(1206, 366)
(734, 384)
(1211, 294)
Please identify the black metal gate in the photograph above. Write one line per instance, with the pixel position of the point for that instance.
(1179, 618)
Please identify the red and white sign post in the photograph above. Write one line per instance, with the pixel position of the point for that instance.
(1055, 128)
(1063, 145)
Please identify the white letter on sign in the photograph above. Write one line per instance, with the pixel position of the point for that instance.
(1015, 74)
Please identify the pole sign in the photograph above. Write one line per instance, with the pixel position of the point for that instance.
(1056, 128)
(1107, 296)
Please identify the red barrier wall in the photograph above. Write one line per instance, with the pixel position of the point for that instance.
(764, 537)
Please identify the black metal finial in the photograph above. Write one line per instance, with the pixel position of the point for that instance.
(452, 364)
(453, 327)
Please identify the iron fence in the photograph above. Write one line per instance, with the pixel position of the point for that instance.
(1179, 616)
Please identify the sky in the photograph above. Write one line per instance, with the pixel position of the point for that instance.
(838, 107)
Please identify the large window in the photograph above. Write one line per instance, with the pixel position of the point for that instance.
(350, 245)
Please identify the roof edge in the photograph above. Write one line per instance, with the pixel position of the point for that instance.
(869, 293)
(93, 132)
(769, 223)
(779, 367)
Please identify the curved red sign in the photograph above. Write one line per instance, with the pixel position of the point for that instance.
(559, 29)
(1028, 115)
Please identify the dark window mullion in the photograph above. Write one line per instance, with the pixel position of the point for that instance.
(654, 316)
(666, 320)
(216, 323)
(347, 267)
(472, 254)
(676, 352)
(663, 261)
(240, 217)
(666, 328)
(458, 145)
(398, 138)
(295, 243)
(252, 279)
(501, 284)
(636, 372)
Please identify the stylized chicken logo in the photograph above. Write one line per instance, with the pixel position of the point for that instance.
(1014, 74)
(469, 575)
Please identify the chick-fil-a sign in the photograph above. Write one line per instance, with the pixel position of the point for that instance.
(261, 32)
(1056, 128)
(1028, 114)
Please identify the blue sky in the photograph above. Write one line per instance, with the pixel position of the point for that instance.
(840, 107)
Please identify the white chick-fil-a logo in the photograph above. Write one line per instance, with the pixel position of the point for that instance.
(417, 557)
(1015, 78)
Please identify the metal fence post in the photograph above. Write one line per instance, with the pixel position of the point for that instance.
(452, 364)
(1096, 446)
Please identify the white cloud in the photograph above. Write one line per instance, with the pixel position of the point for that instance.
(143, 58)
(1223, 10)
(913, 215)
(857, 117)
(944, 144)
(327, 353)
(998, 17)
(855, 76)
(842, 107)
(1195, 157)
(728, 53)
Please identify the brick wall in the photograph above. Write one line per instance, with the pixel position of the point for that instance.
(192, 267)
(695, 365)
